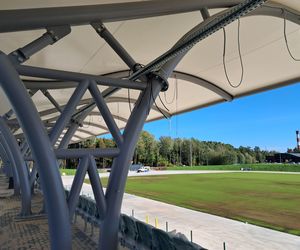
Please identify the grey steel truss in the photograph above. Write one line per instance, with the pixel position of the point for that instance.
(46, 140)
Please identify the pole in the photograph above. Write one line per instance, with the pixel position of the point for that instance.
(191, 153)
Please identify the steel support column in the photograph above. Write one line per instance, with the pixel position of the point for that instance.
(37, 138)
(115, 190)
(32, 177)
(5, 159)
(20, 166)
(12, 164)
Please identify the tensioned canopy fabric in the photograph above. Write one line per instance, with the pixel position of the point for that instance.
(199, 79)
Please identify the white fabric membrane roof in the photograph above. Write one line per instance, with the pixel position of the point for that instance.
(267, 63)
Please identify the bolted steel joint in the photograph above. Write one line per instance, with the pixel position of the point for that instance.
(58, 32)
(99, 28)
(137, 67)
(18, 56)
(164, 82)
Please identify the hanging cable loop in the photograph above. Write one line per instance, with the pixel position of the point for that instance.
(153, 99)
(240, 57)
(176, 106)
(285, 38)
(173, 98)
(136, 66)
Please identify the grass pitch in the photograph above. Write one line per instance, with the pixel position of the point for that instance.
(269, 200)
(254, 167)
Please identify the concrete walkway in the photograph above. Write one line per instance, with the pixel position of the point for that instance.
(208, 230)
(170, 172)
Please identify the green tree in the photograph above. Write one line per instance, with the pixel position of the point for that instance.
(146, 150)
(166, 147)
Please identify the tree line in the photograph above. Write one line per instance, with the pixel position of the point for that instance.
(179, 151)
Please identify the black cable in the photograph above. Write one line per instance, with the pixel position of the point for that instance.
(173, 98)
(240, 56)
(151, 93)
(129, 102)
(213, 26)
(285, 37)
(163, 103)
(129, 99)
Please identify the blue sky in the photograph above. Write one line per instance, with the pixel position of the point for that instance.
(268, 120)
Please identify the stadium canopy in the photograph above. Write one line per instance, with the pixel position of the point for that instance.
(64, 61)
(198, 81)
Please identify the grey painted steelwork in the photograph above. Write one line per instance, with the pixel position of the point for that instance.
(97, 187)
(72, 129)
(32, 177)
(117, 117)
(78, 77)
(5, 162)
(204, 13)
(121, 74)
(203, 83)
(116, 185)
(53, 84)
(46, 85)
(68, 110)
(79, 153)
(196, 35)
(50, 37)
(19, 166)
(11, 169)
(125, 100)
(38, 140)
(79, 15)
(52, 100)
(6, 151)
(150, 86)
(102, 106)
(8, 114)
(277, 10)
(114, 44)
(116, 100)
(76, 185)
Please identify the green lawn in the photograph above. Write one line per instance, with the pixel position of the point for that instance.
(269, 200)
(69, 171)
(255, 167)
